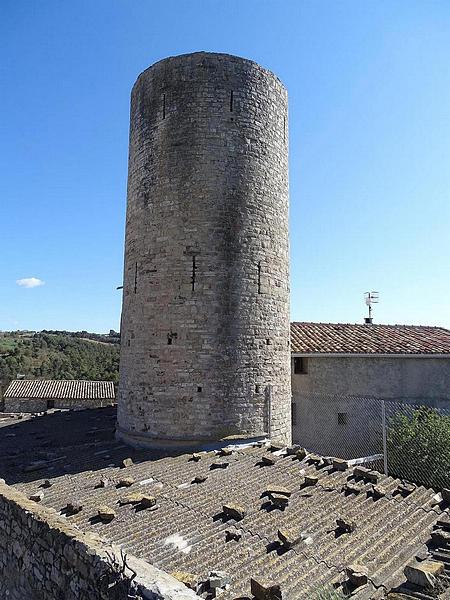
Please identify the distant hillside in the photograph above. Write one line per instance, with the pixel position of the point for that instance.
(111, 338)
(58, 355)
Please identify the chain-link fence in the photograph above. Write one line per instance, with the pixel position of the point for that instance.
(406, 440)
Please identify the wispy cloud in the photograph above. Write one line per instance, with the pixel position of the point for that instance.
(30, 282)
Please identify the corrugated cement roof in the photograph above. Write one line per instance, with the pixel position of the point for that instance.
(187, 532)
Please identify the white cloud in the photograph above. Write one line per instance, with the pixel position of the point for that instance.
(30, 282)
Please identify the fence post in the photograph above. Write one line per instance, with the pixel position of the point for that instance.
(269, 411)
(383, 427)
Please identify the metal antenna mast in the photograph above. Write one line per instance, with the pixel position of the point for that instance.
(370, 298)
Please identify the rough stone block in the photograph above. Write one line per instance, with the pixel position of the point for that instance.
(352, 488)
(219, 465)
(218, 579)
(125, 482)
(106, 514)
(289, 538)
(133, 498)
(310, 480)
(277, 489)
(199, 479)
(345, 525)
(234, 511)
(315, 459)
(441, 537)
(405, 488)
(378, 491)
(446, 495)
(225, 452)
(103, 483)
(360, 471)
(301, 454)
(74, 507)
(372, 476)
(274, 447)
(340, 464)
(357, 574)
(424, 574)
(148, 501)
(37, 496)
(265, 590)
(189, 579)
(279, 500)
(231, 535)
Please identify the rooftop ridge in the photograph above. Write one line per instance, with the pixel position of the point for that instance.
(371, 324)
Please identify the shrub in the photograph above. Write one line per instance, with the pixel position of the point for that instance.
(419, 447)
(328, 593)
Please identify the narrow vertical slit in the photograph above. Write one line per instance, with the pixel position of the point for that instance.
(194, 267)
(284, 129)
(164, 106)
(259, 277)
(135, 276)
(231, 102)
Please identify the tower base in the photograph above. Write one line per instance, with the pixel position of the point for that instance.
(141, 440)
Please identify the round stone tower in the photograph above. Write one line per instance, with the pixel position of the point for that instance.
(205, 322)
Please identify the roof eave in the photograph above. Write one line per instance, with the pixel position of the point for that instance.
(368, 355)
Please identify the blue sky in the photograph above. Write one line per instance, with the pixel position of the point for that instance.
(369, 96)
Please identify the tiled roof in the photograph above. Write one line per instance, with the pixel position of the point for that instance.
(75, 389)
(347, 338)
(187, 532)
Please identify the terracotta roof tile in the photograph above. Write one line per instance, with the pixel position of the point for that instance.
(347, 338)
(68, 389)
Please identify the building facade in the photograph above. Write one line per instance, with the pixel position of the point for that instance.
(205, 319)
(342, 372)
(39, 395)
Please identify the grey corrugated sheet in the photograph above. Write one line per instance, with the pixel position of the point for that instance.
(389, 533)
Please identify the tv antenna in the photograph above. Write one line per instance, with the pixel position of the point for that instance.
(370, 298)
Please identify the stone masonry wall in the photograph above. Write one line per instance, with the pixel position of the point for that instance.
(27, 405)
(353, 386)
(24, 405)
(44, 557)
(205, 321)
(421, 380)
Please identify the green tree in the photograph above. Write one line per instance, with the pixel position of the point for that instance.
(58, 355)
(419, 447)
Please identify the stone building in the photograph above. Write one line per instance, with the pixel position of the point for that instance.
(205, 320)
(340, 372)
(39, 395)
